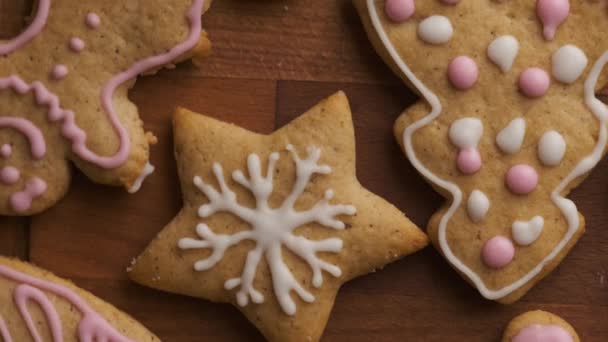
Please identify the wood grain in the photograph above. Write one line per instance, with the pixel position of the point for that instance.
(274, 59)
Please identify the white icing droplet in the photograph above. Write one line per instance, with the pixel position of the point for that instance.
(569, 62)
(478, 205)
(526, 232)
(465, 133)
(436, 29)
(145, 172)
(511, 137)
(551, 148)
(503, 51)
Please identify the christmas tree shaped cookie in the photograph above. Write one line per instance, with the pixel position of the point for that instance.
(38, 306)
(274, 224)
(63, 93)
(507, 125)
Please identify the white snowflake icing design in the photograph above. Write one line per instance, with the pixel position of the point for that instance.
(271, 228)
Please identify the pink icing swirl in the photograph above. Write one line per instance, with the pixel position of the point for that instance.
(92, 326)
(543, 333)
(29, 130)
(31, 32)
(552, 13)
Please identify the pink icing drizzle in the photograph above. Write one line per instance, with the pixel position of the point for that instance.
(59, 72)
(92, 326)
(498, 252)
(9, 175)
(552, 13)
(28, 129)
(31, 32)
(76, 44)
(543, 333)
(534, 82)
(399, 10)
(463, 72)
(469, 161)
(6, 150)
(521, 179)
(22, 201)
(93, 21)
(71, 131)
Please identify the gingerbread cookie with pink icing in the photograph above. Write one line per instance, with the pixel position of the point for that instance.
(507, 125)
(63, 93)
(539, 326)
(38, 306)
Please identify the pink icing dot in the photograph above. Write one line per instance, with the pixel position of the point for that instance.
(93, 21)
(543, 333)
(9, 175)
(76, 44)
(22, 201)
(498, 252)
(522, 179)
(59, 72)
(552, 13)
(399, 10)
(534, 82)
(450, 2)
(6, 150)
(469, 161)
(463, 72)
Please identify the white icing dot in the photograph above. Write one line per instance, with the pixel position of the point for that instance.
(511, 137)
(436, 29)
(478, 205)
(569, 62)
(503, 51)
(551, 148)
(465, 133)
(526, 232)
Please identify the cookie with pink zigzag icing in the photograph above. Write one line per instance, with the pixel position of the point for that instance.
(36, 305)
(63, 93)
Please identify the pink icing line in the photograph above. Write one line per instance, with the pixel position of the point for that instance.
(31, 32)
(6, 337)
(28, 129)
(92, 326)
(71, 131)
(22, 201)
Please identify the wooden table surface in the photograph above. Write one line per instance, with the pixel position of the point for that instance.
(272, 60)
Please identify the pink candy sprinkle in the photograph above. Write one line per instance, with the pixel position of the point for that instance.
(534, 82)
(76, 44)
(469, 161)
(552, 13)
(93, 21)
(9, 175)
(521, 179)
(498, 252)
(6, 150)
(59, 72)
(399, 10)
(463, 72)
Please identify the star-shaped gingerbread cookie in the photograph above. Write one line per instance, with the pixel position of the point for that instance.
(63, 93)
(274, 224)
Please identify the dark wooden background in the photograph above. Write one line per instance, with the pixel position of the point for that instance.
(272, 60)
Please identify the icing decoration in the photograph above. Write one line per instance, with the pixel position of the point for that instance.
(511, 138)
(22, 201)
(271, 228)
(552, 13)
(526, 232)
(9, 175)
(69, 128)
(478, 206)
(436, 30)
(465, 134)
(93, 21)
(569, 62)
(503, 51)
(551, 148)
(59, 72)
(399, 10)
(92, 327)
(6, 150)
(30, 32)
(543, 333)
(77, 44)
(566, 206)
(498, 252)
(147, 171)
(521, 179)
(463, 72)
(29, 130)
(534, 82)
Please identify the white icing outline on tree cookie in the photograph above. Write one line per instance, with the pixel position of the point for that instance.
(271, 228)
(567, 207)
